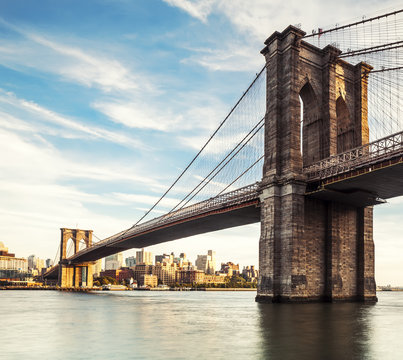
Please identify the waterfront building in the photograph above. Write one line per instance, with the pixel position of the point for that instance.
(144, 257)
(113, 273)
(149, 280)
(185, 276)
(165, 272)
(130, 261)
(142, 269)
(126, 274)
(114, 262)
(214, 279)
(11, 267)
(206, 263)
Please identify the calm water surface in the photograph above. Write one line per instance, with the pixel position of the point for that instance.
(194, 325)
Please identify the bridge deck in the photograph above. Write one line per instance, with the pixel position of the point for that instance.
(236, 208)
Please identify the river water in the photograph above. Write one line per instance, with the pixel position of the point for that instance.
(194, 325)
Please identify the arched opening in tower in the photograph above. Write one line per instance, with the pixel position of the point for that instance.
(345, 129)
(309, 126)
(69, 248)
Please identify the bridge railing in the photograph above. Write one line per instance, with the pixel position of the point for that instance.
(356, 158)
(237, 196)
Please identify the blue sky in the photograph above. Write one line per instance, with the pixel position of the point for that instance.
(104, 102)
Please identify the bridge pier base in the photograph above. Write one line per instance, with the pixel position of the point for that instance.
(320, 251)
(76, 275)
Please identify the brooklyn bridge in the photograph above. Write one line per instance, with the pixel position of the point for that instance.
(311, 146)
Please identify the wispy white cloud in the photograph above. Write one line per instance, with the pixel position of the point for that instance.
(233, 57)
(185, 113)
(134, 115)
(199, 9)
(89, 67)
(41, 114)
(36, 164)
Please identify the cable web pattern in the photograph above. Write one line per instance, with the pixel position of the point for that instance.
(230, 159)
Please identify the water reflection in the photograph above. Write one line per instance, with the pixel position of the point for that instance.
(193, 325)
(315, 331)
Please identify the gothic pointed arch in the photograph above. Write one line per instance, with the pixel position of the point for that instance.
(345, 128)
(70, 247)
(310, 125)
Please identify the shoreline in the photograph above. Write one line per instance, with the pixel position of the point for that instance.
(86, 290)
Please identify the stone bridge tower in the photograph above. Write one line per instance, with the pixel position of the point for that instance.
(311, 249)
(74, 275)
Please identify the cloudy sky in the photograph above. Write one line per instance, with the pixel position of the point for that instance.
(104, 102)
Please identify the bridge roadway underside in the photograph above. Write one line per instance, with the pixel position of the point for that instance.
(366, 186)
(244, 214)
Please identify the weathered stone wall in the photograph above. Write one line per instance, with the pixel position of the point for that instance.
(315, 233)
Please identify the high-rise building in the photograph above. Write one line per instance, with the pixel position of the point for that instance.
(130, 261)
(49, 263)
(165, 272)
(40, 264)
(206, 263)
(144, 257)
(96, 272)
(162, 258)
(32, 260)
(212, 264)
(114, 262)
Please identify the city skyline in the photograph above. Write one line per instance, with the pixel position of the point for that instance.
(97, 121)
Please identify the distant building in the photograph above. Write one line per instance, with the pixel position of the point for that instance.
(114, 262)
(229, 268)
(130, 261)
(126, 274)
(32, 259)
(190, 276)
(214, 279)
(144, 257)
(48, 263)
(12, 268)
(206, 263)
(250, 273)
(142, 269)
(113, 273)
(40, 264)
(164, 258)
(149, 280)
(35, 265)
(97, 268)
(165, 272)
